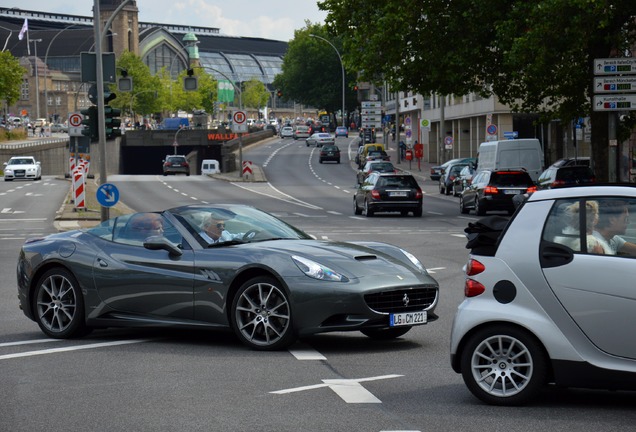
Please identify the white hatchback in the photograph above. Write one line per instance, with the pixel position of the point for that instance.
(22, 167)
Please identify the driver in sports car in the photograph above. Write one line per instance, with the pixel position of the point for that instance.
(214, 232)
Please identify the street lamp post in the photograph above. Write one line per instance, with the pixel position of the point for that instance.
(37, 79)
(46, 69)
(240, 108)
(343, 74)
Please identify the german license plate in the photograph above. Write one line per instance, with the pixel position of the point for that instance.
(397, 194)
(408, 319)
(511, 192)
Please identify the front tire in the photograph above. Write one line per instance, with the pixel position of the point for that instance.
(261, 315)
(504, 366)
(58, 305)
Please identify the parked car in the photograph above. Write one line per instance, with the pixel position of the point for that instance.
(176, 164)
(271, 285)
(375, 166)
(301, 132)
(286, 132)
(329, 153)
(388, 192)
(361, 156)
(342, 131)
(377, 155)
(566, 175)
(320, 139)
(436, 171)
(581, 160)
(494, 190)
(537, 312)
(448, 177)
(22, 167)
(463, 179)
(59, 128)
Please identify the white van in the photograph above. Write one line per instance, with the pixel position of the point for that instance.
(525, 153)
(210, 166)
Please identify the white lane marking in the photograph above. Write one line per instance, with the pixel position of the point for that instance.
(290, 199)
(435, 213)
(350, 390)
(73, 348)
(305, 353)
(27, 342)
(433, 269)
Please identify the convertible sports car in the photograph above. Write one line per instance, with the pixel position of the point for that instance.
(266, 280)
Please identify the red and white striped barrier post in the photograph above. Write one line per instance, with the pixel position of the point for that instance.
(247, 169)
(79, 188)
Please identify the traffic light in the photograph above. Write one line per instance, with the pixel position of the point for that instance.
(355, 88)
(279, 93)
(91, 127)
(108, 94)
(112, 122)
(190, 82)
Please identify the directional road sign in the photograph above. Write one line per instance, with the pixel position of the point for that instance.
(624, 102)
(615, 66)
(107, 195)
(615, 84)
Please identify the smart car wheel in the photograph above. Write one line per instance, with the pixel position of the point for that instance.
(385, 333)
(58, 305)
(504, 366)
(261, 315)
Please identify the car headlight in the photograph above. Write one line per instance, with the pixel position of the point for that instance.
(414, 260)
(317, 271)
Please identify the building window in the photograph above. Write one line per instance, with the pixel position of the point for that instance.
(58, 101)
(24, 90)
(49, 101)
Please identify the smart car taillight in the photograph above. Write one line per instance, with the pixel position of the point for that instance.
(472, 288)
(474, 267)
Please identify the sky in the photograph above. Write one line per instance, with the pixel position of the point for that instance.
(271, 19)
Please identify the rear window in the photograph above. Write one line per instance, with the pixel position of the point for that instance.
(176, 159)
(324, 135)
(575, 173)
(402, 181)
(513, 178)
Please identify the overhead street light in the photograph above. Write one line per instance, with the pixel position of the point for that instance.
(343, 75)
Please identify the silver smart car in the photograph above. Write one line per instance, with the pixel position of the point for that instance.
(550, 297)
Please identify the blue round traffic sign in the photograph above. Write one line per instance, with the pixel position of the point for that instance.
(107, 195)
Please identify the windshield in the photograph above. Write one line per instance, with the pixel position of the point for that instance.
(229, 224)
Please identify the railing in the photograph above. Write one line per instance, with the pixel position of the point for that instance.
(23, 144)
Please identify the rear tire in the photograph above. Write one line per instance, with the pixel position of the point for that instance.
(479, 209)
(504, 366)
(367, 211)
(356, 210)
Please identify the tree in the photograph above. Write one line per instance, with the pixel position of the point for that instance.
(312, 74)
(143, 99)
(255, 94)
(536, 56)
(11, 75)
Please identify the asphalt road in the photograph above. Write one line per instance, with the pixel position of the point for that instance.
(148, 380)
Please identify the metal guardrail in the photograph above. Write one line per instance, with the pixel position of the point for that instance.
(32, 143)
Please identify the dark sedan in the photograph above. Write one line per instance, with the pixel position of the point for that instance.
(329, 153)
(388, 192)
(262, 278)
(494, 190)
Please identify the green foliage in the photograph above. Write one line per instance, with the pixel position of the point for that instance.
(13, 134)
(255, 94)
(312, 73)
(143, 99)
(11, 74)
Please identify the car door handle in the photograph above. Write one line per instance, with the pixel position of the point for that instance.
(102, 263)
